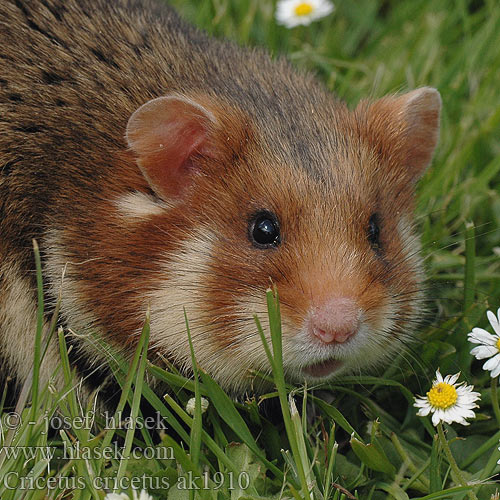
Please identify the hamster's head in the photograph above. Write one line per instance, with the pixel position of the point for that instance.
(327, 220)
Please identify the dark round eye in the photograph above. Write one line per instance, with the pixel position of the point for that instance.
(374, 232)
(264, 230)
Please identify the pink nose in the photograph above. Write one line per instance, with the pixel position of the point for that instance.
(335, 321)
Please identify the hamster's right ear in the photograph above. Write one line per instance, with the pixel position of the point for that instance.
(169, 135)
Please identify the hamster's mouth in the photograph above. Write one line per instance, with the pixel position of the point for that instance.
(323, 368)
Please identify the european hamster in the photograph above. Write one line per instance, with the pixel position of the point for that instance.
(163, 169)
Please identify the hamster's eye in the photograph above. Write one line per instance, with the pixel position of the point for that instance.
(264, 230)
(374, 232)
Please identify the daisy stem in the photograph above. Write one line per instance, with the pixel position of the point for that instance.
(494, 399)
(456, 472)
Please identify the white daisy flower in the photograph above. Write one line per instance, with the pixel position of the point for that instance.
(191, 404)
(448, 402)
(291, 13)
(489, 345)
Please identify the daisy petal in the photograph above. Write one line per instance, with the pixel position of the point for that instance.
(484, 351)
(423, 412)
(494, 322)
(435, 419)
(496, 371)
(492, 362)
(421, 403)
(480, 336)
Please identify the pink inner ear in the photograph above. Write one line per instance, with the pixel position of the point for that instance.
(166, 133)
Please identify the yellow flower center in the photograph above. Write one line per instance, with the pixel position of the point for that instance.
(498, 343)
(303, 9)
(442, 395)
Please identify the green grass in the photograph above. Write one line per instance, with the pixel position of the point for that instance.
(368, 442)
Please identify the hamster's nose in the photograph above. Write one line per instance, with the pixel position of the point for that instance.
(335, 321)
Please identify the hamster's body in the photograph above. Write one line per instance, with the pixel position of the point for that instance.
(238, 172)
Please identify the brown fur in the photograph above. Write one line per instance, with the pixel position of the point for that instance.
(73, 72)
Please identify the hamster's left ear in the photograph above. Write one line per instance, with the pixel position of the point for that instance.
(405, 128)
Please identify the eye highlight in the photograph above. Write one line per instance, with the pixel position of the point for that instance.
(264, 230)
(373, 232)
